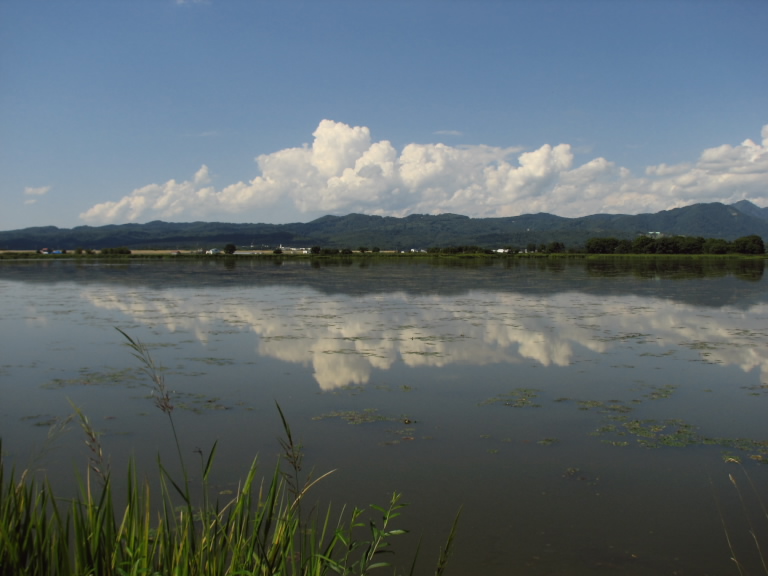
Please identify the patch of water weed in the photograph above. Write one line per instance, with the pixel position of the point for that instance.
(353, 351)
(571, 472)
(593, 327)
(638, 337)
(407, 434)
(281, 337)
(220, 332)
(653, 433)
(606, 429)
(660, 392)
(604, 407)
(186, 373)
(657, 433)
(439, 338)
(199, 403)
(702, 345)
(155, 345)
(351, 389)
(659, 354)
(41, 420)
(756, 390)
(548, 441)
(745, 333)
(589, 404)
(674, 432)
(127, 376)
(365, 416)
(574, 473)
(213, 361)
(618, 443)
(756, 450)
(516, 398)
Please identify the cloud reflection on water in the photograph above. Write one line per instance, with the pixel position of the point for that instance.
(346, 338)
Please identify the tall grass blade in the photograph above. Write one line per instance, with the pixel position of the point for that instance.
(445, 553)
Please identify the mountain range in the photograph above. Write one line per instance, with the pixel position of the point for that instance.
(710, 220)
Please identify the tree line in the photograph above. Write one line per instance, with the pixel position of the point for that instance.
(752, 244)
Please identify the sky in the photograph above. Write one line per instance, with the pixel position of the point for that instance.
(117, 111)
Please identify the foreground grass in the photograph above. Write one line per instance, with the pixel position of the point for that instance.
(259, 531)
(262, 530)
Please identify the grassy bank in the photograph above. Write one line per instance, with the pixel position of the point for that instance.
(287, 256)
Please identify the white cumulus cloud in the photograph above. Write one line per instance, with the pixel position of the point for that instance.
(344, 170)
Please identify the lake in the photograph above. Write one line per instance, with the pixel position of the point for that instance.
(585, 415)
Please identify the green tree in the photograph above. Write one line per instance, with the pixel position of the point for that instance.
(602, 245)
(716, 246)
(555, 247)
(230, 249)
(644, 245)
(315, 250)
(691, 244)
(623, 247)
(362, 249)
(119, 250)
(277, 251)
(751, 244)
(668, 245)
(375, 249)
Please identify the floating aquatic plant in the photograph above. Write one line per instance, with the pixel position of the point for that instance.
(516, 398)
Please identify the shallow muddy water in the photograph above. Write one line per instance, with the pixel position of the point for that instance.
(584, 415)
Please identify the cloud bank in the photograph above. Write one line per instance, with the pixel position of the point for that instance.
(345, 171)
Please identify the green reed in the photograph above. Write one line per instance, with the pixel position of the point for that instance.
(753, 517)
(261, 530)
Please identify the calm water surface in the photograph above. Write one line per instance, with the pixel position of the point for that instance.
(585, 415)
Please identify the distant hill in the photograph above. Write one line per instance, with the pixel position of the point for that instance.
(713, 220)
(750, 209)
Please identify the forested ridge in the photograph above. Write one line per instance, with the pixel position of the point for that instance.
(418, 231)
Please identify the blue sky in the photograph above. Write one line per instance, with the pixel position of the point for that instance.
(115, 111)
